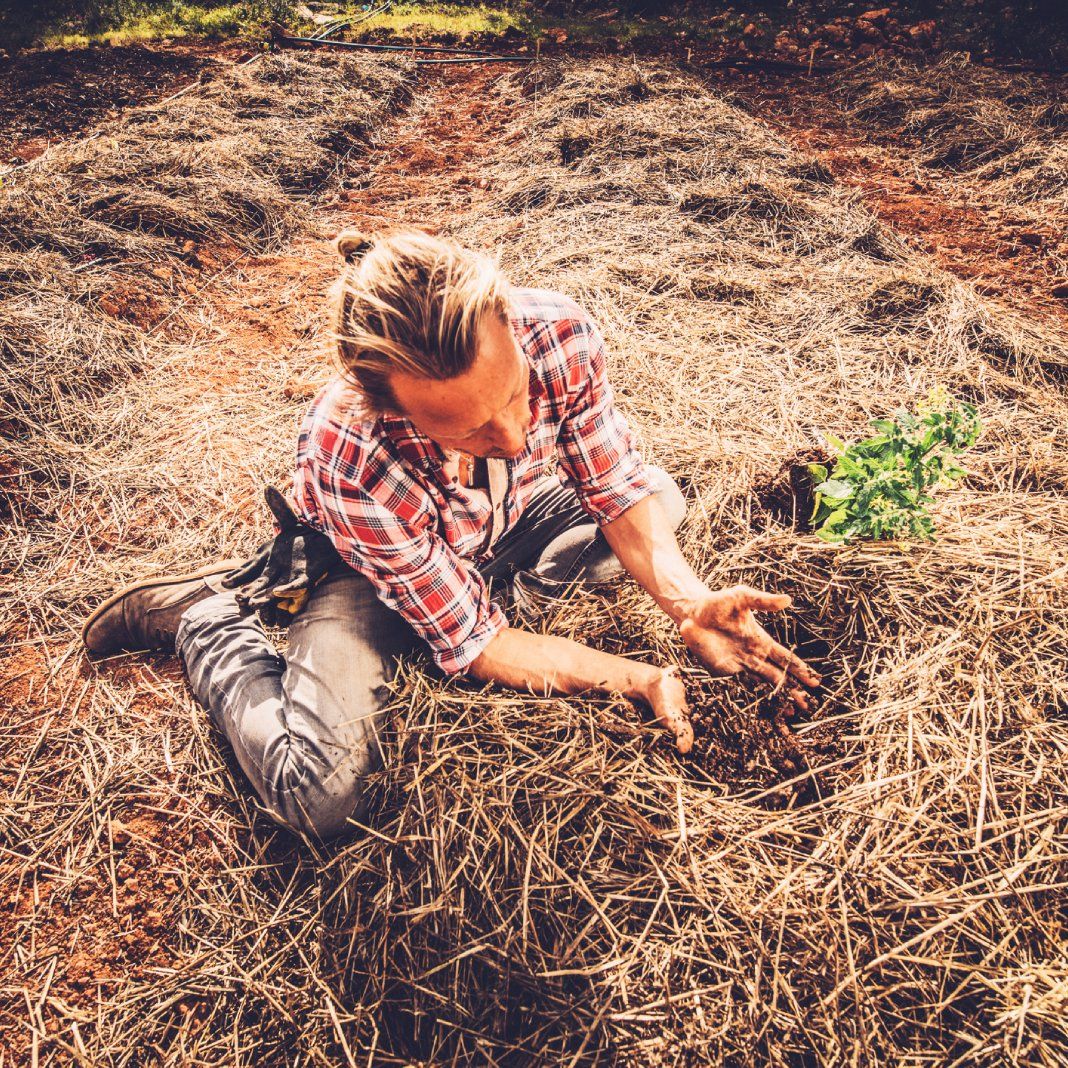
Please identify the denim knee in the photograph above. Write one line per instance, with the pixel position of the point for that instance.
(308, 811)
(218, 608)
(311, 789)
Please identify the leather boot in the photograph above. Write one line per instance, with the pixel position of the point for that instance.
(146, 614)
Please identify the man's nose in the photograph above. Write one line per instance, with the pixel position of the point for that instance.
(511, 437)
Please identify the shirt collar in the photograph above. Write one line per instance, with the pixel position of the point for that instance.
(416, 448)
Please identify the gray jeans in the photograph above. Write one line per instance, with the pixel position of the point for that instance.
(305, 729)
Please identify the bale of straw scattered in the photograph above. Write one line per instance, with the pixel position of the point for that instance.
(232, 160)
(230, 163)
(893, 93)
(1035, 175)
(1008, 128)
(55, 342)
(547, 881)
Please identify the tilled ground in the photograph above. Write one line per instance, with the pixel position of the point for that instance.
(1013, 253)
(126, 921)
(47, 96)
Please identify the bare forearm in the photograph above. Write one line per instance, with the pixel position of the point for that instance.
(646, 545)
(544, 663)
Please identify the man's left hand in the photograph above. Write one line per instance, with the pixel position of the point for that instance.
(721, 631)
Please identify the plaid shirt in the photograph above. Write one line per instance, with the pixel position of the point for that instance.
(376, 487)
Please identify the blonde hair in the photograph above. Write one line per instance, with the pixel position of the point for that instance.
(410, 302)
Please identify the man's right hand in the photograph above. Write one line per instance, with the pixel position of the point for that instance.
(544, 663)
(277, 580)
(666, 696)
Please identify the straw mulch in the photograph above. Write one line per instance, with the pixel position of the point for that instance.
(1011, 130)
(230, 164)
(546, 881)
(56, 342)
(113, 443)
(230, 160)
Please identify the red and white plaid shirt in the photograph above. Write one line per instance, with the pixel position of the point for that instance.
(376, 486)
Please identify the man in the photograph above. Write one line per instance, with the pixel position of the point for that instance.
(425, 493)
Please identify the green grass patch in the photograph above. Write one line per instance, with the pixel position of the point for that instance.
(131, 21)
(459, 19)
(433, 19)
(173, 20)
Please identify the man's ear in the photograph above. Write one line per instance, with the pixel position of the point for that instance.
(386, 405)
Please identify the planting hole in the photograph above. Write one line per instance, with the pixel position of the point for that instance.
(789, 497)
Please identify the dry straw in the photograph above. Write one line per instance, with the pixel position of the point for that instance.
(546, 881)
(1009, 129)
(230, 162)
(549, 884)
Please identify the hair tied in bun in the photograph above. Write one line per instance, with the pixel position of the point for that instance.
(353, 246)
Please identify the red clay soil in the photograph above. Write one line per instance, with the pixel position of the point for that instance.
(1005, 253)
(50, 95)
(461, 128)
(92, 929)
(109, 926)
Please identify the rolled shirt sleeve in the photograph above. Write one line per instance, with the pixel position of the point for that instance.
(595, 446)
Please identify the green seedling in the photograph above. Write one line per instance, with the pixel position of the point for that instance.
(881, 487)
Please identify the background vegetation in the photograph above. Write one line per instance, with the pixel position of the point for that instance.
(73, 21)
(1022, 26)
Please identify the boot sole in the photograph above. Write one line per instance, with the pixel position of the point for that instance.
(169, 580)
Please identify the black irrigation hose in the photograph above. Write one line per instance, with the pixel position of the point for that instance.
(478, 59)
(344, 24)
(285, 40)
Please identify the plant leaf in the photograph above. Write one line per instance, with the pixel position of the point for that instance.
(816, 508)
(836, 489)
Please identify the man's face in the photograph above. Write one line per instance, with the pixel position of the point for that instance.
(486, 410)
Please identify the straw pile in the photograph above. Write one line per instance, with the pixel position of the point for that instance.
(1009, 129)
(54, 342)
(231, 164)
(231, 159)
(113, 445)
(547, 881)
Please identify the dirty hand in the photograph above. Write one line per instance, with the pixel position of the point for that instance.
(721, 631)
(277, 580)
(666, 696)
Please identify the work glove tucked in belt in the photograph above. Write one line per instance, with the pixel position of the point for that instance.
(277, 580)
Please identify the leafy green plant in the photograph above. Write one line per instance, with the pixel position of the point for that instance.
(881, 487)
